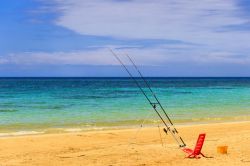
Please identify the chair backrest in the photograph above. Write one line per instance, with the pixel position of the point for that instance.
(199, 144)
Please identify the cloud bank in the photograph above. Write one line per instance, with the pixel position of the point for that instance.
(198, 32)
(205, 22)
(214, 29)
(157, 56)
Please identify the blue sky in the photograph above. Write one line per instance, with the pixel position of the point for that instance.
(165, 38)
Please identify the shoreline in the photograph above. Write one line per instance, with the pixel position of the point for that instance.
(119, 147)
(100, 129)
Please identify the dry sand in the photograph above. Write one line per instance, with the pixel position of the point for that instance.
(106, 148)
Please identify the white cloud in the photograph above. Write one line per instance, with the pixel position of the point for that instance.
(96, 57)
(198, 22)
(157, 56)
(3, 60)
(191, 21)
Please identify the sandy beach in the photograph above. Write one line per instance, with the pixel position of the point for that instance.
(118, 147)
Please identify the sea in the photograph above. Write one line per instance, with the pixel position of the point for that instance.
(48, 105)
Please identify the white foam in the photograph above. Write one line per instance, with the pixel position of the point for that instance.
(73, 130)
(19, 133)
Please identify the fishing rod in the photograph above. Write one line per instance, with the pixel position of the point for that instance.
(146, 82)
(173, 132)
(156, 98)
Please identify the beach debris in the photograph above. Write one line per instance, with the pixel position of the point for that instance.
(245, 161)
(222, 149)
(72, 155)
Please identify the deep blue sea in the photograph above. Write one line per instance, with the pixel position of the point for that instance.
(47, 104)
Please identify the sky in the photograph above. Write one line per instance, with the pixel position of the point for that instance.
(164, 37)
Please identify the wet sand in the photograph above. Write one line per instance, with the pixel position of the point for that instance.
(117, 147)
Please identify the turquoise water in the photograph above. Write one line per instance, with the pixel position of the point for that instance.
(30, 104)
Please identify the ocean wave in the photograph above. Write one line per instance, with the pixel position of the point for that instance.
(101, 96)
(8, 110)
(73, 130)
(222, 88)
(20, 133)
(182, 92)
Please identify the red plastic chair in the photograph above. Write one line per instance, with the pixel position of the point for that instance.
(197, 150)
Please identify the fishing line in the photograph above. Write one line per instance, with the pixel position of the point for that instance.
(138, 130)
(158, 102)
(172, 132)
(160, 134)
